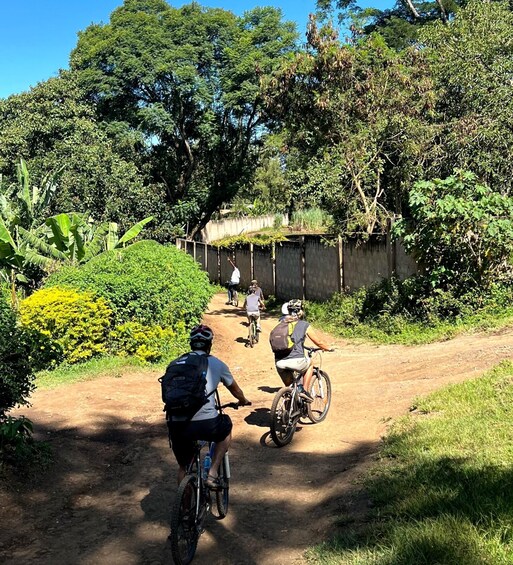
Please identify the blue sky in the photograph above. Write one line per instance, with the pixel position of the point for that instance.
(37, 36)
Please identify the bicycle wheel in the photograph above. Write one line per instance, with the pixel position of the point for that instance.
(185, 529)
(235, 300)
(321, 394)
(220, 509)
(284, 417)
(253, 336)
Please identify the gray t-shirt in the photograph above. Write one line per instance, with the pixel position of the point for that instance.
(298, 337)
(252, 302)
(218, 372)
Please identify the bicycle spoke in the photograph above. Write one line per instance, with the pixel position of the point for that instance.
(320, 391)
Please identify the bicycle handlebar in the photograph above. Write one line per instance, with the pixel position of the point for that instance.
(234, 405)
(312, 350)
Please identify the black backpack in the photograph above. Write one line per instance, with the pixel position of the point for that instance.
(184, 385)
(280, 338)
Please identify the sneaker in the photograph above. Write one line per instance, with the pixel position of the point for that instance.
(259, 329)
(306, 396)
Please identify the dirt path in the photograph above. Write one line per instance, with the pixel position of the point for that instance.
(107, 497)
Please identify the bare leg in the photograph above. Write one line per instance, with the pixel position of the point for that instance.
(308, 377)
(219, 450)
(181, 474)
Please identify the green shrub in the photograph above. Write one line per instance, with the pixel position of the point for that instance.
(76, 323)
(411, 309)
(147, 343)
(460, 230)
(16, 376)
(146, 282)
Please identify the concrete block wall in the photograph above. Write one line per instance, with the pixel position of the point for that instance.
(224, 265)
(322, 269)
(308, 268)
(263, 269)
(364, 264)
(405, 265)
(212, 264)
(201, 254)
(243, 262)
(289, 274)
(215, 230)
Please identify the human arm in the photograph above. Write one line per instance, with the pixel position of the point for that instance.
(236, 391)
(317, 339)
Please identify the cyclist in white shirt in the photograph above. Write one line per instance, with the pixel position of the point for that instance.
(234, 281)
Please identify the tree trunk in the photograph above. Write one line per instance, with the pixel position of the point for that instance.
(412, 8)
(443, 11)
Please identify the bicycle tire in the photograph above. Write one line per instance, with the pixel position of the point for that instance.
(320, 391)
(253, 335)
(235, 300)
(220, 509)
(283, 423)
(185, 529)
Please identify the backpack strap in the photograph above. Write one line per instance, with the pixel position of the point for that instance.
(205, 370)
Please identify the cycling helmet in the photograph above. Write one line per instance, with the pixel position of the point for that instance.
(294, 306)
(251, 289)
(201, 336)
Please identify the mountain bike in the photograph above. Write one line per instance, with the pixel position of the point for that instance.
(253, 333)
(289, 408)
(235, 296)
(194, 500)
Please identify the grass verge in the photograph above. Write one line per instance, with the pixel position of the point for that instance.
(443, 490)
(94, 368)
(354, 316)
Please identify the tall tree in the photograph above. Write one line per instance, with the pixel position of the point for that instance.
(355, 128)
(399, 25)
(471, 61)
(52, 128)
(188, 80)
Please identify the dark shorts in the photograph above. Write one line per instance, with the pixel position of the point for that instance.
(182, 435)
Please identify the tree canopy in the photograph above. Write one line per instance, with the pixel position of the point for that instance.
(188, 80)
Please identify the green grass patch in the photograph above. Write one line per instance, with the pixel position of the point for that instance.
(92, 369)
(443, 490)
(310, 219)
(399, 312)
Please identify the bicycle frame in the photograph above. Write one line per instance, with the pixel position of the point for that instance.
(185, 527)
(289, 408)
(252, 330)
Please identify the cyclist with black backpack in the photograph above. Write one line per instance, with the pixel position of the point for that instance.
(188, 393)
(287, 341)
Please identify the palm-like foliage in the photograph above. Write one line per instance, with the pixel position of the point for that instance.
(28, 239)
(21, 207)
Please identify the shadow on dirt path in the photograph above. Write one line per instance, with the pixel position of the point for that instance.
(107, 497)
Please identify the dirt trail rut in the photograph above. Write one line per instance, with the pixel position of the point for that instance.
(107, 497)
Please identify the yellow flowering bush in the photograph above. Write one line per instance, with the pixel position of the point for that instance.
(148, 343)
(76, 322)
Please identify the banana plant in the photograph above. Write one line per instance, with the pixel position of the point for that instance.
(76, 238)
(113, 241)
